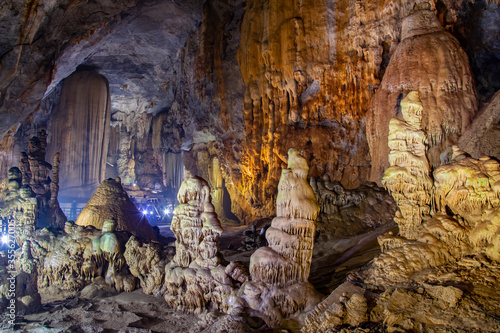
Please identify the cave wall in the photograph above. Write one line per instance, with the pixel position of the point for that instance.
(231, 85)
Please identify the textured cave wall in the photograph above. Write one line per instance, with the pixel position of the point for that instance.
(79, 130)
(311, 69)
(231, 81)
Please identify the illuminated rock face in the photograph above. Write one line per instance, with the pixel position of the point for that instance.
(111, 201)
(279, 288)
(195, 280)
(454, 240)
(287, 259)
(431, 61)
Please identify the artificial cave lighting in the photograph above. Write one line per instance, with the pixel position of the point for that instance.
(5, 238)
(247, 166)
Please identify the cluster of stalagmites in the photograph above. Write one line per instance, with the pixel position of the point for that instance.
(73, 258)
(18, 282)
(279, 287)
(31, 195)
(195, 279)
(442, 271)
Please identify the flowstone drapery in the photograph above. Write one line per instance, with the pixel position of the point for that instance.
(279, 288)
(195, 279)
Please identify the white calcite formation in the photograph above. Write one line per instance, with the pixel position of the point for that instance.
(287, 259)
(195, 280)
(408, 177)
(279, 288)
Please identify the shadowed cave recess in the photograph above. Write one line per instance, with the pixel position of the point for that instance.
(250, 166)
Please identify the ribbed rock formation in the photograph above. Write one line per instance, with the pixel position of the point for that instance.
(195, 280)
(431, 61)
(80, 132)
(408, 177)
(111, 201)
(287, 259)
(279, 288)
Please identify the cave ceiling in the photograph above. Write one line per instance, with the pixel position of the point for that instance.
(236, 83)
(134, 44)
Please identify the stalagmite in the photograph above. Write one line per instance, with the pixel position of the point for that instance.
(111, 200)
(408, 177)
(195, 280)
(280, 271)
(431, 61)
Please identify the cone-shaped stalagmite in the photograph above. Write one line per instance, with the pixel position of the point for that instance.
(111, 201)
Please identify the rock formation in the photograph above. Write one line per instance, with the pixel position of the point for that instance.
(32, 194)
(80, 132)
(195, 279)
(28, 299)
(431, 61)
(111, 201)
(147, 262)
(287, 259)
(482, 136)
(415, 284)
(20, 204)
(279, 288)
(408, 177)
(72, 259)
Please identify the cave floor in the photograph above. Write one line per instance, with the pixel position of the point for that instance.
(100, 309)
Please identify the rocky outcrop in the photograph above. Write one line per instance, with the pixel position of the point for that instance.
(483, 134)
(431, 61)
(111, 201)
